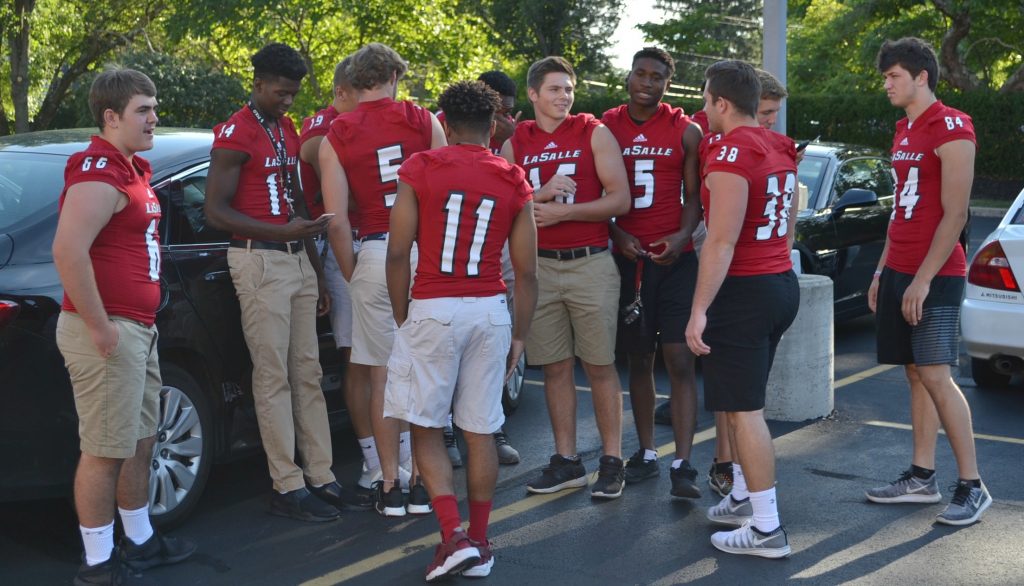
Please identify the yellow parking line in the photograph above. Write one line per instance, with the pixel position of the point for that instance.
(984, 436)
(538, 383)
(523, 505)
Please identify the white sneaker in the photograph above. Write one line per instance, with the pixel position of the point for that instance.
(746, 541)
(730, 512)
(368, 477)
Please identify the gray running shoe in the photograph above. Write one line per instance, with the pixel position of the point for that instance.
(731, 512)
(453, 447)
(967, 504)
(906, 489)
(747, 541)
(507, 455)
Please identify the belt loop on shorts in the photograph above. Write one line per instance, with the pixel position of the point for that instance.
(570, 253)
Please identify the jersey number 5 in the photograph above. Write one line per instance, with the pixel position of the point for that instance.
(389, 159)
(777, 208)
(451, 234)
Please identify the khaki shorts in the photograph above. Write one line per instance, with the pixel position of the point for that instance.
(577, 310)
(117, 398)
(373, 324)
(449, 356)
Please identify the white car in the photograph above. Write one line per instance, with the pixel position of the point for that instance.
(992, 313)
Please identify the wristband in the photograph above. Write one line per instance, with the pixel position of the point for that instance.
(877, 274)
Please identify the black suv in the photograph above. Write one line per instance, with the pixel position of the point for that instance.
(206, 405)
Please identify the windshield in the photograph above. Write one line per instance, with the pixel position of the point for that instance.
(810, 172)
(28, 184)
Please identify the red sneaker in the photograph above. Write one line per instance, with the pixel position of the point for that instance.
(482, 569)
(453, 556)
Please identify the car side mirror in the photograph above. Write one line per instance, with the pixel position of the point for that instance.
(855, 198)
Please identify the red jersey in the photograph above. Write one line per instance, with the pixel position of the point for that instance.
(653, 153)
(701, 118)
(372, 142)
(468, 199)
(262, 192)
(312, 127)
(126, 253)
(566, 151)
(767, 160)
(495, 145)
(917, 171)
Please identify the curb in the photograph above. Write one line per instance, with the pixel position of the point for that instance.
(988, 212)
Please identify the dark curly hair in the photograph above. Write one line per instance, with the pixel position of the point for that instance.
(469, 106)
(658, 54)
(278, 60)
(499, 82)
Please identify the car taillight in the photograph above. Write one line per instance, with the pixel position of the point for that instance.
(991, 269)
(8, 311)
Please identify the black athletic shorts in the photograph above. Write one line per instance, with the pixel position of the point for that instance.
(932, 341)
(745, 323)
(666, 294)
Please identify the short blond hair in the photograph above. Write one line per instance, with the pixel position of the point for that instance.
(373, 65)
(771, 87)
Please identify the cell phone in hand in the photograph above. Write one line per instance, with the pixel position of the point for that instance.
(800, 147)
(328, 216)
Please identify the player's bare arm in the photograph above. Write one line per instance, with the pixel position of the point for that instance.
(221, 184)
(437, 137)
(628, 244)
(957, 176)
(873, 288)
(522, 249)
(309, 153)
(403, 227)
(725, 220)
(334, 186)
(611, 171)
(88, 207)
(674, 243)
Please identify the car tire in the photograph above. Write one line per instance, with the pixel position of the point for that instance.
(513, 391)
(985, 376)
(183, 452)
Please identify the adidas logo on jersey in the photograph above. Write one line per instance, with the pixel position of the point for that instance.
(640, 138)
(904, 142)
(551, 145)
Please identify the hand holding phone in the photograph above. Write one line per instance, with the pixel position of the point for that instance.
(800, 147)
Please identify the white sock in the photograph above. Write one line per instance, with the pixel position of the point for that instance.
(650, 455)
(98, 542)
(677, 463)
(766, 511)
(136, 524)
(404, 447)
(368, 445)
(739, 483)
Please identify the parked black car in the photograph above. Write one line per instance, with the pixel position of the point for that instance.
(206, 404)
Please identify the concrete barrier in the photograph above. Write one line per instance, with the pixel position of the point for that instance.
(800, 383)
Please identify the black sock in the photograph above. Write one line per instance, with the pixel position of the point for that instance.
(922, 473)
(723, 467)
(976, 483)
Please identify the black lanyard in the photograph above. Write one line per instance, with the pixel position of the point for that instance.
(281, 150)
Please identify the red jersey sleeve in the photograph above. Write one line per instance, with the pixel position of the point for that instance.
(89, 166)
(951, 125)
(728, 156)
(234, 136)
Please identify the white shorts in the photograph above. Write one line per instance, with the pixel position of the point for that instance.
(341, 301)
(450, 356)
(373, 324)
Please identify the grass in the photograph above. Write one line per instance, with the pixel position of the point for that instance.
(981, 202)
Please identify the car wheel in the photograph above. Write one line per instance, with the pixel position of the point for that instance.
(183, 452)
(514, 388)
(985, 376)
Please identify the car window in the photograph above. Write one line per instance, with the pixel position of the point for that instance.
(872, 174)
(810, 173)
(187, 195)
(28, 184)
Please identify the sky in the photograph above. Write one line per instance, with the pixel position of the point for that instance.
(627, 39)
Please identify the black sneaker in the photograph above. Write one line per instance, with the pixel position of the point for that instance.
(638, 469)
(341, 498)
(419, 499)
(663, 414)
(684, 482)
(390, 503)
(559, 474)
(302, 505)
(112, 572)
(158, 550)
(611, 477)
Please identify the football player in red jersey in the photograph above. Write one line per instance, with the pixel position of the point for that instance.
(252, 191)
(107, 254)
(656, 259)
(357, 376)
(454, 345)
(746, 296)
(570, 160)
(917, 288)
(360, 161)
